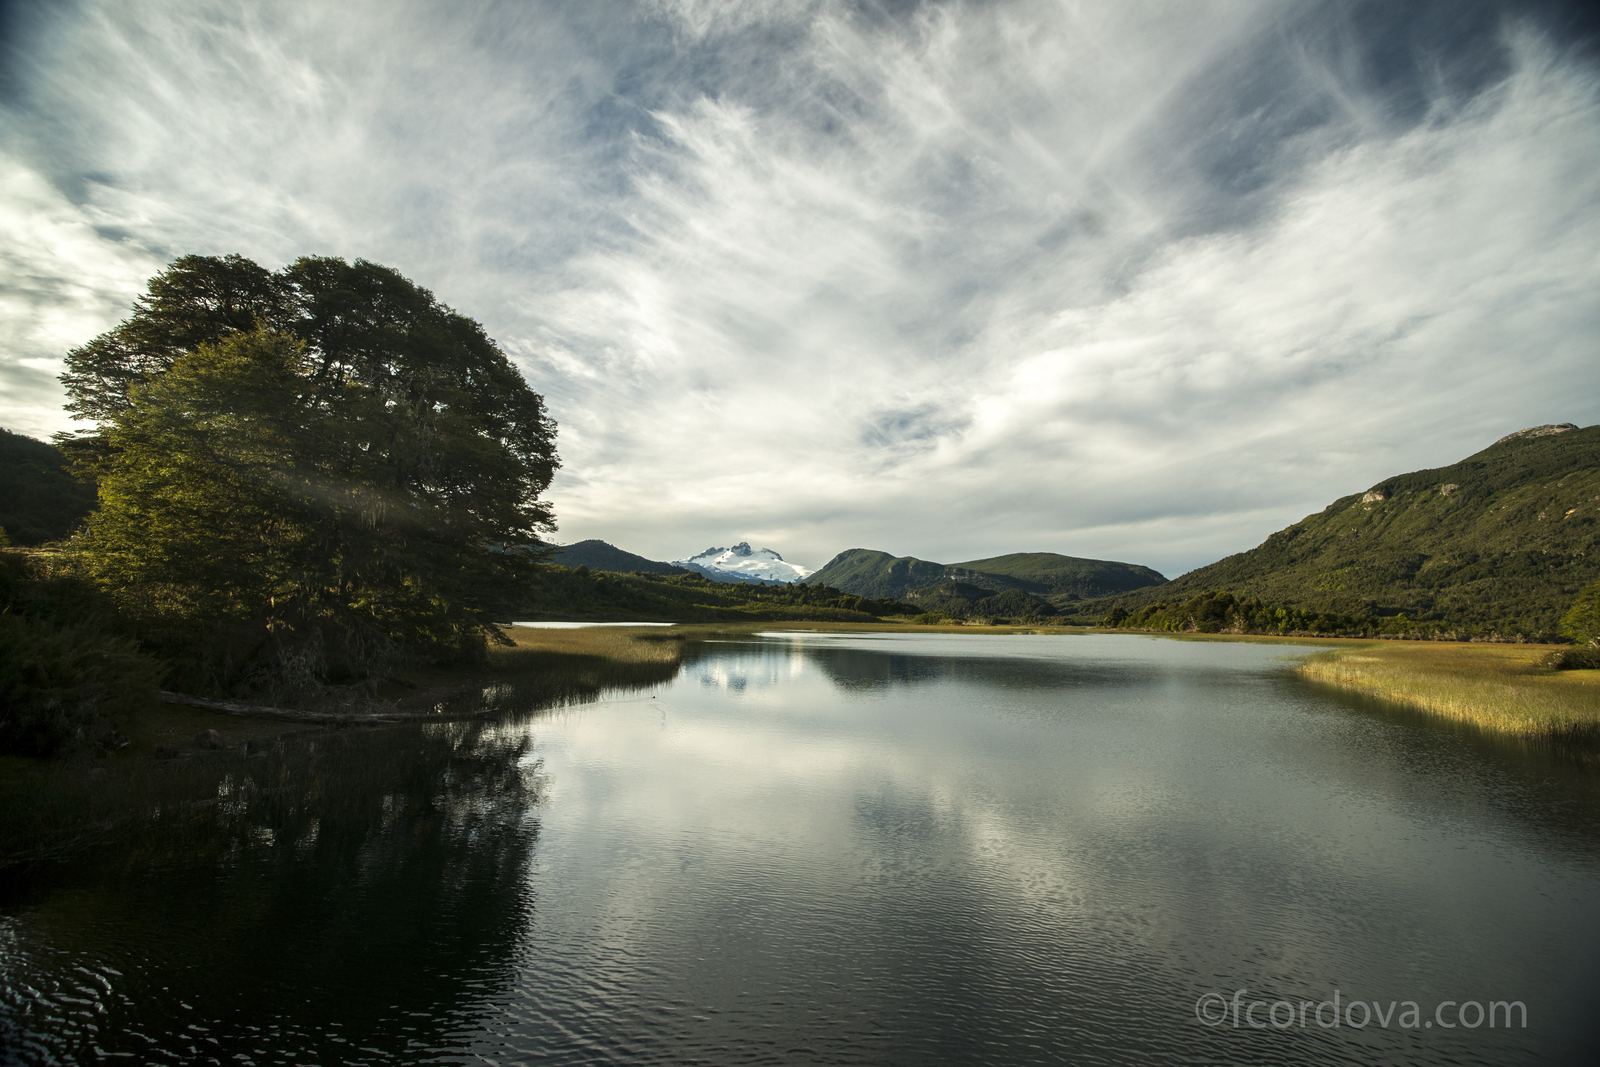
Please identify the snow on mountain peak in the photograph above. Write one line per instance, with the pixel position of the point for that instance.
(741, 563)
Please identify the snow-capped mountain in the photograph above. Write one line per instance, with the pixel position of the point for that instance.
(741, 563)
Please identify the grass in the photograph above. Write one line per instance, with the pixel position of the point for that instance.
(1504, 689)
(616, 644)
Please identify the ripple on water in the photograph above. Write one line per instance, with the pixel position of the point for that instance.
(889, 852)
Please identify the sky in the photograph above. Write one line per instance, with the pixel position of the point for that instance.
(1131, 281)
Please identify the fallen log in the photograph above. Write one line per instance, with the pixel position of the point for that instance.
(263, 711)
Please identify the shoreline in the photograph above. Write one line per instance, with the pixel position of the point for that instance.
(176, 750)
(1503, 688)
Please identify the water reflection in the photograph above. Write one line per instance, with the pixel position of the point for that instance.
(840, 849)
(1552, 792)
(821, 851)
(338, 905)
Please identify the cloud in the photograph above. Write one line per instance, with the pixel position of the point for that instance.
(63, 271)
(1127, 281)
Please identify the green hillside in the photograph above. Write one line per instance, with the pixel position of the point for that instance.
(584, 594)
(865, 572)
(1044, 574)
(601, 556)
(1499, 543)
(1048, 573)
(39, 500)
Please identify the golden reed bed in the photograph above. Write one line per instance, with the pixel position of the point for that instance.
(1507, 689)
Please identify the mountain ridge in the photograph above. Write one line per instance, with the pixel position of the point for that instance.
(1497, 543)
(741, 563)
(874, 573)
(600, 555)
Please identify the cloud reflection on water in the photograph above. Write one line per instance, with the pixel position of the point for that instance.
(1040, 843)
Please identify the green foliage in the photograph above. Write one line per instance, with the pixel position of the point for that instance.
(376, 347)
(39, 499)
(962, 600)
(1502, 552)
(198, 299)
(364, 326)
(1583, 658)
(1221, 612)
(647, 597)
(311, 472)
(1582, 621)
(40, 584)
(56, 682)
(878, 574)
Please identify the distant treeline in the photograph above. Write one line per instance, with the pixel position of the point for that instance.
(579, 594)
(1215, 611)
(1221, 612)
(960, 601)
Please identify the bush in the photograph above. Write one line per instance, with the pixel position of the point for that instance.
(55, 681)
(1586, 658)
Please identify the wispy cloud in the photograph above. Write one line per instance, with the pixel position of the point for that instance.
(1131, 281)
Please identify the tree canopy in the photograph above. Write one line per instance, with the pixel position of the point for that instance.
(1582, 620)
(323, 456)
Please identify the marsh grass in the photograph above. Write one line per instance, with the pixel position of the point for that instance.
(552, 668)
(1505, 689)
(615, 644)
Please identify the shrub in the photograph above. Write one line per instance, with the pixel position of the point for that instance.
(55, 681)
(1586, 658)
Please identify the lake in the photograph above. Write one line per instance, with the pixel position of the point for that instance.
(847, 848)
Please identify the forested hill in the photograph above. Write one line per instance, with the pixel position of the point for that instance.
(869, 573)
(601, 556)
(581, 593)
(1500, 542)
(1049, 574)
(39, 500)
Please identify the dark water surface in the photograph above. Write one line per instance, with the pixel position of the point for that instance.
(860, 849)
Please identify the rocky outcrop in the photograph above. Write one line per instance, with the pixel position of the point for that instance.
(1547, 430)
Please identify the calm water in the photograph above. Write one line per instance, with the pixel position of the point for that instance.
(859, 849)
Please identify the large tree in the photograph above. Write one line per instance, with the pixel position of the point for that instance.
(322, 456)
